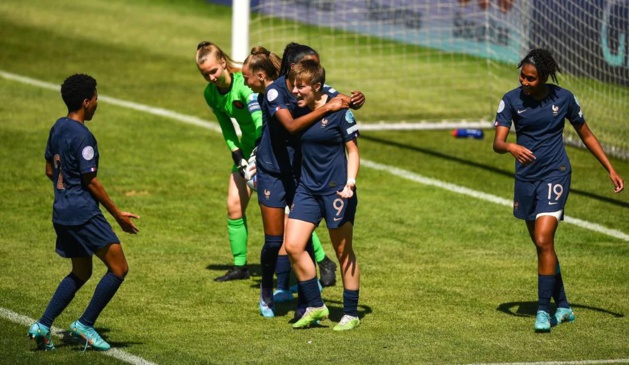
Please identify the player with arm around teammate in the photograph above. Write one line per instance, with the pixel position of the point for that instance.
(229, 97)
(276, 178)
(82, 231)
(542, 170)
(326, 190)
(279, 105)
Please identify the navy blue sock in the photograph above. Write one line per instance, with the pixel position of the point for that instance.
(282, 271)
(311, 292)
(545, 286)
(105, 290)
(62, 297)
(350, 302)
(268, 258)
(559, 294)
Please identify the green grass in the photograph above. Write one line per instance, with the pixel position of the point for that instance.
(446, 278)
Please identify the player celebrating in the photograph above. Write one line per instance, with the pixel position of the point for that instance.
(542, 168)
(276, 159)
(326, 191)
(229, 97)
(82, 230)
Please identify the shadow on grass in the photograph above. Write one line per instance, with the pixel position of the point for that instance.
(68, 340)
(529, 309)
(485, 167)
(254, 270)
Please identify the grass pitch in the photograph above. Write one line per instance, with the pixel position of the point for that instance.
(446, 278)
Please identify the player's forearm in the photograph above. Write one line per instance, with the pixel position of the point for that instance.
(596, 149)
(98, 192)
(353, 163)
(296, 125)
(49, 171)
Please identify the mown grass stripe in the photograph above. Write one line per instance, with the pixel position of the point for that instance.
(374, 165)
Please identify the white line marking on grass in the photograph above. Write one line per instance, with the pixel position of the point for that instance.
(484, 196)
(576, 362)
(123, 103)
(374, 165)
(57, 332)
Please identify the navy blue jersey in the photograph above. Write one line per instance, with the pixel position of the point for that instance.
(539, 127)
(72, 150)
(324, 164)
(274, 155)
(279, 151)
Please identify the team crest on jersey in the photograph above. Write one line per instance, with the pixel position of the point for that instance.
(324, 122)
(238, 104)
(88, 153)
(267, 194)
(555, 110)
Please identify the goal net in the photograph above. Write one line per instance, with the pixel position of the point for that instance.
(436, 61)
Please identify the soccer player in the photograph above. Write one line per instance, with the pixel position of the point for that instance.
(82, 230)
(538, 110)
(229, 97)
(326, 190)
(276, 174)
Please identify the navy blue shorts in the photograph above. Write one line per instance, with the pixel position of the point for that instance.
(275, 191)
(312, 208)
(544, 196)
(86, 239)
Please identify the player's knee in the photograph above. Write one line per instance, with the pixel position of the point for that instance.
(83, 276)
(544, 243)
(120, 270)
(273, 242)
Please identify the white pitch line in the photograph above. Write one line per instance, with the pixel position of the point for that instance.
(58, 332)
(374, 165)
(390, 169)
(576, 362)
(484, 196)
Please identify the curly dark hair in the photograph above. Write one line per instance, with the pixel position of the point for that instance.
(293, 53)
(543, 61)
(77, 88)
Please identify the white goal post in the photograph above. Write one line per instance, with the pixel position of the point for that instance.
(452, 60)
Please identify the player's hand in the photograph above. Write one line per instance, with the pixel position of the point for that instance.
(337, 103)
(251, 169)
(124, 220)
(357, 99)
(347, 192)
(619, 184)
(522, 154)
(242, 167)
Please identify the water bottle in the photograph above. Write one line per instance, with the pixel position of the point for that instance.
(468, 133)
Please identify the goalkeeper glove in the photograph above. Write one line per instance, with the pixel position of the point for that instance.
(239, 161)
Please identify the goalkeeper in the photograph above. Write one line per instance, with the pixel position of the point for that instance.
(228, 97)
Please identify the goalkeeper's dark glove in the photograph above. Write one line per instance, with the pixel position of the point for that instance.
(239, 161)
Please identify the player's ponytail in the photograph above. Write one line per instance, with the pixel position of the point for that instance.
(261, 59)
(206, 49)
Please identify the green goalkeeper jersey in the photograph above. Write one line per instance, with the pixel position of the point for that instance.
(241, 104)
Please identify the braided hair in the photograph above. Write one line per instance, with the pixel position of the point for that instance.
(543, 61)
